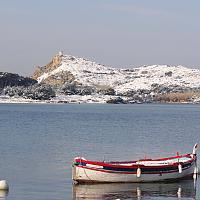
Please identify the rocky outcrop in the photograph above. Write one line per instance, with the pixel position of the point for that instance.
(55, 63)
(117, 100)
(10, 79)
(105, 90)
(59, 79)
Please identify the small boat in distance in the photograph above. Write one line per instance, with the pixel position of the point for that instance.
(146, 170)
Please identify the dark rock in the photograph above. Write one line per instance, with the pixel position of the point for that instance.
(144, 72)
(117, 100)
(106, 91)
(143, 91)
(62, 101)
(129, 93)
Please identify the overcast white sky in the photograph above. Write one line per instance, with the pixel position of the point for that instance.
(117, 33)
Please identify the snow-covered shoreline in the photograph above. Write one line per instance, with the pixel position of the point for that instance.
(77, 99)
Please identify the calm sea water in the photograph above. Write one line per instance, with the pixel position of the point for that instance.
(38, 143)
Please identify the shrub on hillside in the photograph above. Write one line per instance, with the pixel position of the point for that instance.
(35, 92)
(75, 88)
(176, 97)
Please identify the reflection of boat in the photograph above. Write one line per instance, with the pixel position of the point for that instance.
(183, 189)
(148, 170)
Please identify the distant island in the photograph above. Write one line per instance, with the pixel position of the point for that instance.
(69, 79)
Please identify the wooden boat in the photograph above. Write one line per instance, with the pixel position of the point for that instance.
(146, 170)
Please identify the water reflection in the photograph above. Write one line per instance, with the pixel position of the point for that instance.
(3, 194)
(178, 190)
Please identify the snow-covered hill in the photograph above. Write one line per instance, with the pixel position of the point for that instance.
(89, 73)
(69, 79)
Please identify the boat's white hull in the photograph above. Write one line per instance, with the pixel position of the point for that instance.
(81, 174)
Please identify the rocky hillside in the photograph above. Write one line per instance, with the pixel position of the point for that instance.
(74, 74)
(72, 79)
(65, 68)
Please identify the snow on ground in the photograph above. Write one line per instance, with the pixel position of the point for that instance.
(121, 80)
(60, 99)
(85, 71)
(7, 99)
(96, 98)
(91, 73)
(146, 76)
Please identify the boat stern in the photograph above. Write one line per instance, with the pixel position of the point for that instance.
(74, 171)
(76, 175)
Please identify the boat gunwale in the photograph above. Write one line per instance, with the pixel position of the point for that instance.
(121, 164)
